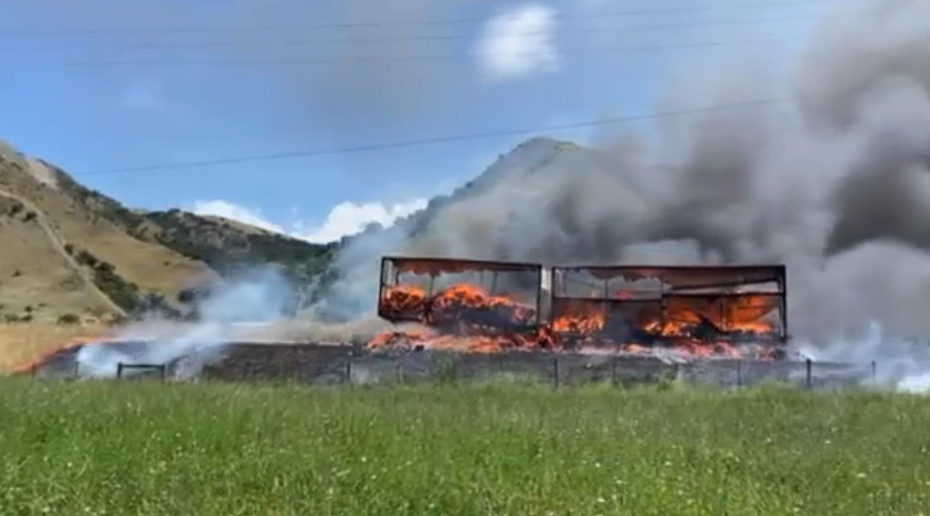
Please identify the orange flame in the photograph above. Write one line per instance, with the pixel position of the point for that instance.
(465, 308)
(466, 317)
(32, 365)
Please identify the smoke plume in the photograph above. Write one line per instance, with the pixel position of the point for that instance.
(833, 181)
(260, 296)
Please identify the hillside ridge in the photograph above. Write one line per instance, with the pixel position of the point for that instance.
(127, 260)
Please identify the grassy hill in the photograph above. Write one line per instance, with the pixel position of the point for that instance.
(73, 254)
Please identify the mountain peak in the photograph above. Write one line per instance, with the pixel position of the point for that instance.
(541, 143)
(527, 158)
(522, 163)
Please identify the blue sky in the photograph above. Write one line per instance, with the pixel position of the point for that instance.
(94, 85)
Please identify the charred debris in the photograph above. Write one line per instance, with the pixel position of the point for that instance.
(736, 312)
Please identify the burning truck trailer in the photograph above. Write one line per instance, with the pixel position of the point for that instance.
(469, 305)
(465, 305)
(736, 312)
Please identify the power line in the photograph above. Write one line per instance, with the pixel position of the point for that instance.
(443, 57)
(442, 139)
(455, 37)
(396, 23)
(407, 58)
(452, 37)
(343, 60)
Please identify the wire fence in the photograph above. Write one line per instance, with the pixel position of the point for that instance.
(559, 371)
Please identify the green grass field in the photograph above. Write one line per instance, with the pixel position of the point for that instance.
(152, 449)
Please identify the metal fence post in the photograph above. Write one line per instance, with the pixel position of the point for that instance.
(808, 367)
(349, 371)
(119, 370)
(613, 372)
(555, 372)
(874, 372)
(739, 374)
(447, 372)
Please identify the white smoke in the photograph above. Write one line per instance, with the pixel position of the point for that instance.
(895, 362)
(261, 295)
(835, 184)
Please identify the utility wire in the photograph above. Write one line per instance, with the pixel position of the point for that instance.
(402, 23)
(408, 58)
(454, 37)
(392, 58)
(441, 57)
(442, 139)
(291, 42)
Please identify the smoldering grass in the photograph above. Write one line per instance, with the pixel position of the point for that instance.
(495, 448)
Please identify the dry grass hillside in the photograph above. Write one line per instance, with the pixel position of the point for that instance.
(38, 280)
(85, 234)
(73, 258)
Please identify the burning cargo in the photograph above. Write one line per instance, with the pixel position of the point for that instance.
(723, 311)
(470, 304)
(732, 311)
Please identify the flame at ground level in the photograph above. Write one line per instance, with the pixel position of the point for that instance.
(467, 318)
(427, 338)
(69, 346)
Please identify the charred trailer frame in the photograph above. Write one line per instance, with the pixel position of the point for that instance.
(491, 275)
(710, 304)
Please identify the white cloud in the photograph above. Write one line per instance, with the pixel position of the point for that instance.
(347, 218)
(518, 43)
(238, 213)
